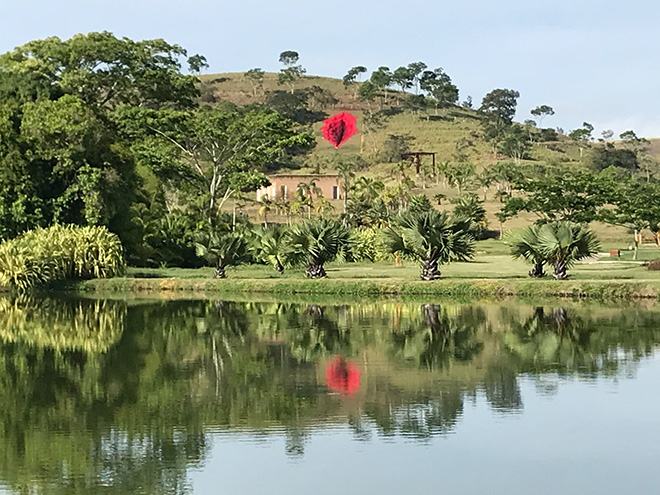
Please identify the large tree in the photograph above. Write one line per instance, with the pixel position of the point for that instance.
(215, 152)
(62, 158)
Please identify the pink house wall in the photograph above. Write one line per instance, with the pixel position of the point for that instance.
(286, 185)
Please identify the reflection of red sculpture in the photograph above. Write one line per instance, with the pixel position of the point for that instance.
(343, 376)
(339, 128)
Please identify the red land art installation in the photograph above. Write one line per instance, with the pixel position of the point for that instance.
(339, 128)
(343, 376)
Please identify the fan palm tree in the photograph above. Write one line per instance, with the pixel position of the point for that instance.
(271, 247)
(316, 243)
(564, 243)
(368, 189)
(433, 238)
(265, 207)
(525, 245)
(222, 249)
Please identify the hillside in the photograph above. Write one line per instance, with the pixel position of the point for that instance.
(430, 130)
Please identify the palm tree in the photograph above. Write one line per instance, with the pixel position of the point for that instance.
(346, 171)
(564, 243)
(304, 194)
(525, 245)
(271, 247)
(433, 238)
(222, 249)
(316, 243)
(368, 189)
(265, 207)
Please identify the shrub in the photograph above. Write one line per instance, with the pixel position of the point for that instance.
(59, 253)
(367, 245)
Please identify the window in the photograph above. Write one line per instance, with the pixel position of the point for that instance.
(335, 192)
(283, 192)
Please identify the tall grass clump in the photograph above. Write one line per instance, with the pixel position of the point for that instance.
(60, 252)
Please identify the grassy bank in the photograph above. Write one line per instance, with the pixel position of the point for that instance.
(491, 275)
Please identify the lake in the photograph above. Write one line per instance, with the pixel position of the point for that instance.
(376, 396)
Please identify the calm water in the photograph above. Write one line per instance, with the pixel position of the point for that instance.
(148, 397)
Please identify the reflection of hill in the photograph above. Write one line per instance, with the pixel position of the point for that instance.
(136, 406)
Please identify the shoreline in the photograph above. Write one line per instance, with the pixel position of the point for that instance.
(573, 289)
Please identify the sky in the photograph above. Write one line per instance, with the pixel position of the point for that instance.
(593, 61)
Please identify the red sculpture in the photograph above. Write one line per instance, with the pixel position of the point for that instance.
(343, 376)
(339, 128)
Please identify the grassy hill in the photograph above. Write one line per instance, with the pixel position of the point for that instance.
(430, 132)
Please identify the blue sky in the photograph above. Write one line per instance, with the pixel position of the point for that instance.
(594, 61)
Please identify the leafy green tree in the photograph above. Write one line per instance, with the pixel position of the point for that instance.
(416, 69)
(498, 109)
(460, 175)
(564, 243)
(291, 72)
(579, 198)
(215, 152)
(542, 112)
(419, 203)
(381, 80)
(368, 188)
(640, 147)
(368, 92)
(352, 76)
(394, 146)
(295, 106)
(403, 78)
(582, 136)
(515, 143)
(603, 156)
(197, 63)
(256, 79)
(525, 245)
(439, 86)
(316, 243)
(431, 237)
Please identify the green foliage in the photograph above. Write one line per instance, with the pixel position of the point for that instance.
(602, 157)
(222, 248)
(563, 244)
(419, 203)
(60, 252)
(469, 207)
(432, 238)
(271, 246)
(366, 244)
(316, 243)
(525, 245)
(394, 146)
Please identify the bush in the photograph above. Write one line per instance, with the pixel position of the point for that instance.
(367, 245)
(60, 253)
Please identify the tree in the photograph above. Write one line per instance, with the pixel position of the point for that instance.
(582, 136)
(470, 208)
(499, 106)
(351, 78)
(394, 146)
(291, 72)
(271, 247)
(638, 146)
(316, 243)
(439, 86)
(222, 249)
(346, 172)
(368, 189)
(564, 243)
(432, 238)
(381, 80)
(578, 198)
(416, 69)
(368, 92)
(256, 79)
(215, 152)
(607, 155)
(525, 245)
(403, 78)
(197, 63)
(498, 109)
(305, 193)
(515, 143)
(62, 158)
(542, 112)
(460, 175)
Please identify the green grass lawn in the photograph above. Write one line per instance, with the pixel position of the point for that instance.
(490, 263)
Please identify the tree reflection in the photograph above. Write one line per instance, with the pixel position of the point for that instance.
(124, 395)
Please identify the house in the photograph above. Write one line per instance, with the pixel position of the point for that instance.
(285, 185)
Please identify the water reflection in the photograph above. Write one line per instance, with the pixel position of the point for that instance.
(123, 395)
